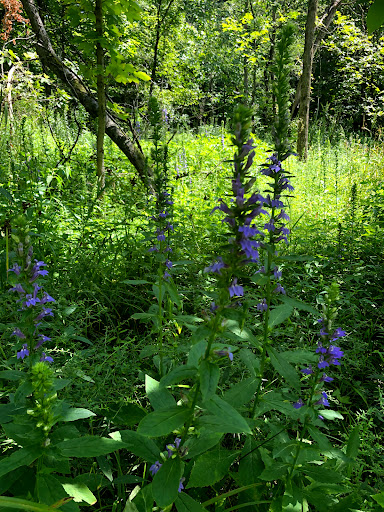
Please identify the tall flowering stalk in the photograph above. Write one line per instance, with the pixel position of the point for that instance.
(162, 217)
(33, 302)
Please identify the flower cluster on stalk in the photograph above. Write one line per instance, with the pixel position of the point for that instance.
(163, 228)
(33, 301)
(329, 355)
(171, 450)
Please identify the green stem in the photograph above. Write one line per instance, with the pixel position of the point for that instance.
(230, 493)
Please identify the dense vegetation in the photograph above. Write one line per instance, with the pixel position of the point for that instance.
(191, 314)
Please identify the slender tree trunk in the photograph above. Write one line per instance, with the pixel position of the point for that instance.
(322, 31)
(159, 23)
(302, 134)
(100, 99)
(78, 90)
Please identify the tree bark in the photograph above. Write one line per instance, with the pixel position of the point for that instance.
(78, 90)
(100, 171)
(324, 24)
(302, 133)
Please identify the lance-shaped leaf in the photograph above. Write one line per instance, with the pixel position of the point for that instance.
(138, 444)
(165, 485)
(209, 378)
(223, 417)
(160, 423)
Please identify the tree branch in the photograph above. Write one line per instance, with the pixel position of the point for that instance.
(78, 90)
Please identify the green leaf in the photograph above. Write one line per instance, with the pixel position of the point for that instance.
(22, 457)
(353, 443)
(6, 194)
(13, 375)
(223, 417)
(74, 414)
(143, 316)
(250, 360)
(50, 490)
(209, 378)
(375, 16)
(251, 465)
(89, 446)
(166, 482)
(160, 423)
(379, 498)
(79, 492)
(8, 411)
(144, 499)
(122, 413)
(320, 438)
(138, 444)
(130, 507)
(284, 369)
(242, 392)
(322, 474)
(330, 415)
(274, 472)
(299, 356)
(298, 304)
(201, 443)
(173, 293)
(177, 375)
(293, 500)
(184, 503)
(279, 314)
(18, 504)
(142, 75)
(211, 467)
(159, 397)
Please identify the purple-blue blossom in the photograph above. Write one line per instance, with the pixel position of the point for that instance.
(235, 290)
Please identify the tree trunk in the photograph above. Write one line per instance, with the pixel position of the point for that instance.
(77, 89)
(100, 171)
(302, 133)
(324, 24)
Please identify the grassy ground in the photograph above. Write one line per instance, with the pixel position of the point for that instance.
(92, 247)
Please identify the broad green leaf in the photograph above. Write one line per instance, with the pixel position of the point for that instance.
(322, 474)
(301, 357)
(201, 443)
(379, 498)
(19, 504)
(138, 444)
(279, 314)
(375, 16)
(177, 375)
(22, 457)
(293, 500)
(223, 417)
(11, 375)
(251, 464)
(196, 353)
(250, 360)
(330, 415)
(50, 490)
(284, 369)
(7, 411)
(242, 392)
(298, 304)
(160, 423)
(209, 378)
(274, 472)
(159, 397)
(184, 503)
(79, 492)
(211, 467)
(142, 75)
(353, 443)
(320, 438)
(173, 293)
(89, 446)
(123, 413)
(274, 400)
(166, 482)
(144, 499)
(159, 292)
(143, 316)
(130, 507)
(6, 194)
(74, 414)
